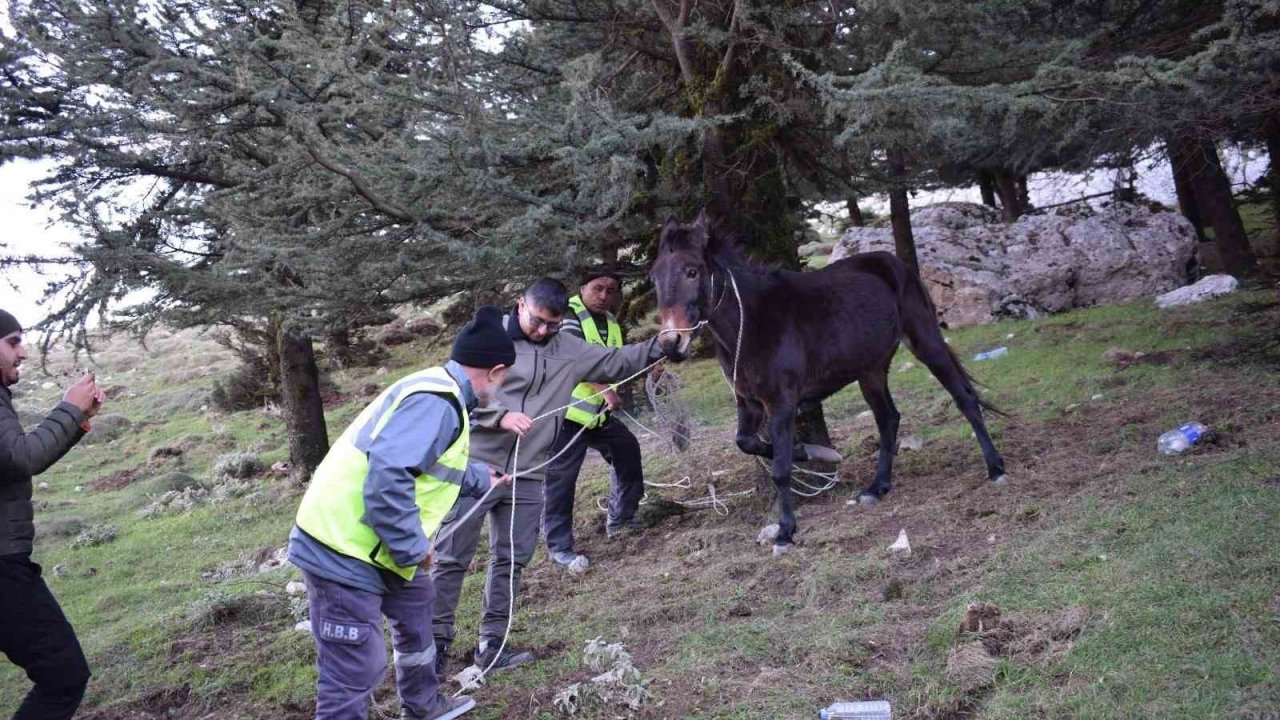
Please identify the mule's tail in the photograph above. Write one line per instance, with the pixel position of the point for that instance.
(925, 341)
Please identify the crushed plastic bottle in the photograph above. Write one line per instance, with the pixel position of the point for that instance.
(989, 354)
(1181, 438)
(864, 710)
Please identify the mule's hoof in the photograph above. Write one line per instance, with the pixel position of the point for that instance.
(1000, 479)
(768, 534)
(867, 499)
(780, 550)
(821, 453)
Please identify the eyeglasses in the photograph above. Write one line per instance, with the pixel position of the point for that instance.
(550, 326)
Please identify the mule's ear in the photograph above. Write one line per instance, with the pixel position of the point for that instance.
(706, 226)
(669, 230)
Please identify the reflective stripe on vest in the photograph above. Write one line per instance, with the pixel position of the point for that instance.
(587, 410)
(332, 510)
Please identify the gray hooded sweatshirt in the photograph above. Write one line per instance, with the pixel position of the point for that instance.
(542, 379)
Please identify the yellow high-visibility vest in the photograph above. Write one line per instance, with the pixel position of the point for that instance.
(586, 410)
(332, 509)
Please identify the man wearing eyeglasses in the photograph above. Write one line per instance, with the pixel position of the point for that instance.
(548, 366)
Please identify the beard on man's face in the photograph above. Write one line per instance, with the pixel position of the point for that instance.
(10, 372)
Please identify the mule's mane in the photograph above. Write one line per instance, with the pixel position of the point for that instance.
(724, 249)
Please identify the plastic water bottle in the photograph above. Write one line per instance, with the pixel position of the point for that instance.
(865, 710)
(989, 354)
(1181, 438)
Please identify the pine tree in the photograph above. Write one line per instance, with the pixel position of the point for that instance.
(300, 166)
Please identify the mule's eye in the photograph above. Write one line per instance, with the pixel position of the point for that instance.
(691, 273)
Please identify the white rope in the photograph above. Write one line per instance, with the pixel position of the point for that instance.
(602, 503)
(683, 483)
(713, 500)
(639, 424)
(516, 473)
(742, 316)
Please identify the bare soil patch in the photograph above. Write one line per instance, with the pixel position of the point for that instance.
(664, 580)
(116, 480)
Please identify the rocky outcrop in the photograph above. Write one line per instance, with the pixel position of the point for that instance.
(1208, 287)
(979, 269)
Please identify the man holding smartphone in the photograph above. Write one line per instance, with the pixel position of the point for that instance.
(35, 635)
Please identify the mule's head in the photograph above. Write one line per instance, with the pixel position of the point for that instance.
(682, 275)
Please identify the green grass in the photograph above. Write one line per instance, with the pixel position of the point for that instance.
(1186, 627)
(1175, 559)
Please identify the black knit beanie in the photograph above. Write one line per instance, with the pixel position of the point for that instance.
(9, 324)
(484, 342)
(599, 271)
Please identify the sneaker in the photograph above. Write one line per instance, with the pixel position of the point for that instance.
(508, 659)
(447, 708)
(571, 561)
(629, 526)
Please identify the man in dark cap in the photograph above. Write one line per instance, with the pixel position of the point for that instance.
(34, 634)
(590, 421)
(363, 535)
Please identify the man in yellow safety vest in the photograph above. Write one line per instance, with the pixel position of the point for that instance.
(589, 419)
(363, 535)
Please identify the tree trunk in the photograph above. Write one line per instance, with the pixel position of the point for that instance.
(301, 403)
(742, 173)
(1212, 188)
(609, 249)
(340, 348)
(1122, 185)
(1010, 200)
(904, 242)
(855, 213)
(1186, 194)
(1271, 130)
(987, 187)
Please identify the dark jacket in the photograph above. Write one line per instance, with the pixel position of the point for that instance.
(23, 455)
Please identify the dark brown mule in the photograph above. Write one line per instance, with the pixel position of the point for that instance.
(804, 337)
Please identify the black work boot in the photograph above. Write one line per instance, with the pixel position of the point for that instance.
(488, 649)
(630, 526)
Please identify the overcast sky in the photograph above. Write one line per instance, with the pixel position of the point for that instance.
(26, 230)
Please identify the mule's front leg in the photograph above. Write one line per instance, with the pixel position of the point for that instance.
(782, 430)
(750, 413)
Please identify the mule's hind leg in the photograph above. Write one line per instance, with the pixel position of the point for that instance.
(946, 368)
(875, 390)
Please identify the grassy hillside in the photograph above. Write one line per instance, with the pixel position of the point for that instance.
(1128, 584)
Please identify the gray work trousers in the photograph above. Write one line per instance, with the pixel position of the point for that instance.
(458, 546)
(619, 447)
(351, 656)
